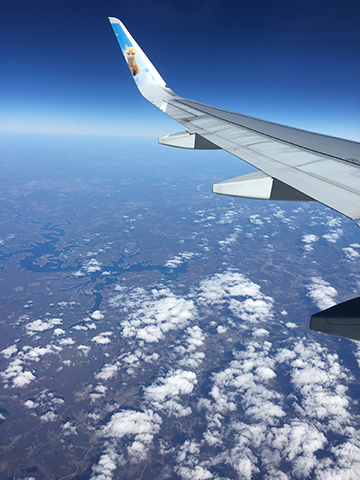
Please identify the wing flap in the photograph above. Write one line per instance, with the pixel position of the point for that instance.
(187, 140)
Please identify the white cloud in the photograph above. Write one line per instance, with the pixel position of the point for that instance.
(195, 338)
(267, 434)
(131, 422)
(221, 329)
(321, 293)
(297, 442)
(15, 370)
(351, 253)
(260, 332)
(9, 351)
(165, 393)
(90, 266)
(247, 377)
(30, 404)
(97, 315)
(58, 331)
(106, 466)
(69, 428)
(192, 360)
(308, 240)
(228, 217)
(49, 416)
(256, 220)
(271, 408)
(333, 222)
(334, 235)
(102, 338)
(41, 325)
(243, 296)
(231, 238)
(316, 374)
(80, 327)
(178, 260)
(151, 316)
(108, 371)
(85, 349)
(197, 473)
(67, 341)
(22, 378)
(139, 426)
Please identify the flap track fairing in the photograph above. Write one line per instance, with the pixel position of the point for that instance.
(188, 140)
(259, 186)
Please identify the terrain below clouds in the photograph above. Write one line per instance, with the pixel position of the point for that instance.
(150, 329)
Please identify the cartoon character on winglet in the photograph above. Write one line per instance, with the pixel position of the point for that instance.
(131, 61)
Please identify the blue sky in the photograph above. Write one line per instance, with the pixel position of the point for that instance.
(291, 62)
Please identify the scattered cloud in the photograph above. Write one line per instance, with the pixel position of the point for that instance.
(333, 222)
(164, 394)
(9, 351)
(151, 315)
(228, 217)
(138, 426)
(351, 253)
(20, 377)
(49, 416)
(321, 293)
(108, 371)
(66, 341)
(16, 371)
(265, 407)
(97, 315)
(256, 220)
(58, 331)
(178, 260)
(41, 325)
(231, 238)
(334, 235)
(85, 349)
(69, 428)
(309, 239)
(90, 266)
(102, 338)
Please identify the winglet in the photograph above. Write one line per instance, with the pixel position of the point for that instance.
(147, 78)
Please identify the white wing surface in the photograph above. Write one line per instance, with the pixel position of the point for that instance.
(293, 164)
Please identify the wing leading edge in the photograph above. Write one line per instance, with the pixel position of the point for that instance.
(294, 164)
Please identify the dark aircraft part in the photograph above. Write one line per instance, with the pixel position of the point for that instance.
(342, 320)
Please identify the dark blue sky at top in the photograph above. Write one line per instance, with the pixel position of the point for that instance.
(294, 62)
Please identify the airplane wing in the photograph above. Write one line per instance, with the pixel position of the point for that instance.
(293, 164)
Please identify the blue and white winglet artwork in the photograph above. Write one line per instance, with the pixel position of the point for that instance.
(146, 77)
